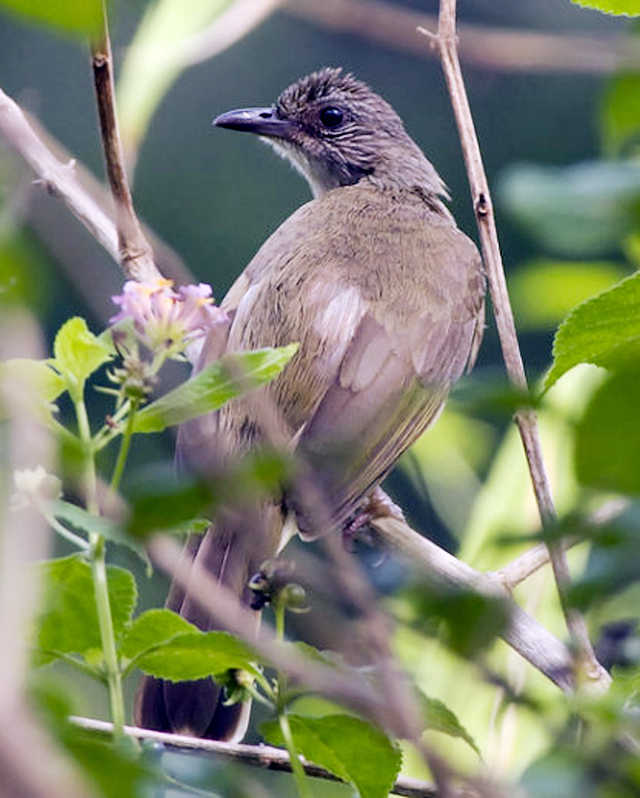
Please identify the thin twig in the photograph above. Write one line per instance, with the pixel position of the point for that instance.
(446, 42)
(136, 256)
(537, 556)
(497, 49)
(261, 756)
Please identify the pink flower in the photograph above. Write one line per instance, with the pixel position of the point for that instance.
(163, 317)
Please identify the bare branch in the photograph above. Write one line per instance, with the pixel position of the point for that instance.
(136, 257)
(446, 42)
(537, 556)
(524, 634)
(59, 178)
(507, 49)
(261, 756)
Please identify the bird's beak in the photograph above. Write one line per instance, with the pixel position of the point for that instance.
(261, 121)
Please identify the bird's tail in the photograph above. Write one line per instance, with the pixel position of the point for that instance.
(231, 551)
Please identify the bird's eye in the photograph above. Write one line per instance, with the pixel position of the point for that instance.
(331, 117)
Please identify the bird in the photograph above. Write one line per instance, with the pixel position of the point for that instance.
(384, 295)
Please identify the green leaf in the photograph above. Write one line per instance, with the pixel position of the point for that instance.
(160, 499)
(355, 751)
(626, 8)
(440, 718)
(78, 353)
(603, 330)
(620, 113)
(543, 291)
(580, 211)
(83, 521)
(151, 629)
(73, 16)
(68, 622)
(208, 390)
(196, 655)
(607, 449)
(37, 375)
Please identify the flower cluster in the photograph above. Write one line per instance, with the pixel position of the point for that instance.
(166, 318)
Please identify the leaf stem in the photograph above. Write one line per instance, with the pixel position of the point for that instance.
(296, 765)
(99, 575)
(107, 635)
(123, 452)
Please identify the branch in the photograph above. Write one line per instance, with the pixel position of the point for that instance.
(524, 634)
(262, 756)
(58, 178)
(499, 49)
(136, 257)
(446, 42)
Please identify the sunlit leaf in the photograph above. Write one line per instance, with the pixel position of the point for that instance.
(355, 751)
(38, 383)
(208, 390)
(78, 353)
(73, 16)
(69, 620)
(607, 452)
(152, 628)
(438, 717)
(627, 8)
(603, 330)
(196, 655)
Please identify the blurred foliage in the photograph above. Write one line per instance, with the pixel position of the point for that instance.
(626, 7)
(583, 210)
(574, 223)
(620, 114)
(78, 17)
(562, 285)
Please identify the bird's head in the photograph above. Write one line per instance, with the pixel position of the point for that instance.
(337, 131)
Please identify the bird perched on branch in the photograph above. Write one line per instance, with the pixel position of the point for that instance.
(385, 296)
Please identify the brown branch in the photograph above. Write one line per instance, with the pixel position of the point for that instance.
(446, 42)
(58, 178)
(524, 634)
(261, 756)
(537, 556)
(507, 49)
(136, 256)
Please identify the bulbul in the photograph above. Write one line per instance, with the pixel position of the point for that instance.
(385, 296)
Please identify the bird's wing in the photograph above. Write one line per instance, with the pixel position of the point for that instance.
(397, 370)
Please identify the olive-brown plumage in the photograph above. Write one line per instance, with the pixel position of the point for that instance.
(386, 298)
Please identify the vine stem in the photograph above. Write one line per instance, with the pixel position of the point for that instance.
(100, 580)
